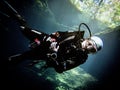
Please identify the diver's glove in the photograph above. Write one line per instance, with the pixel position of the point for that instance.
(54, 46)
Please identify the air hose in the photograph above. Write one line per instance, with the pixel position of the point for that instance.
(86, 27)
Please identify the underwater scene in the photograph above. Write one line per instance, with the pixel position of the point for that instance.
(99, 72)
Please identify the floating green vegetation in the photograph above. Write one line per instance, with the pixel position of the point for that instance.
(106, 11)
(69, 80)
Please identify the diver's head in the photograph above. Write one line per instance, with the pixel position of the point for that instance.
(93, 44)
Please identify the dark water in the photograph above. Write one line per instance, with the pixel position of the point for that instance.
(105, 65)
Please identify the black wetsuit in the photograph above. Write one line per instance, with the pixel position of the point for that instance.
(69, 54)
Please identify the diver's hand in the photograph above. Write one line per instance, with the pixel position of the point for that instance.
(54, 46)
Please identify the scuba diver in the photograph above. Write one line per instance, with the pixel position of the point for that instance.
(61, 50)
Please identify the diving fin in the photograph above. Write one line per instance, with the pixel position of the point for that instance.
(10, 7)
(7, 9)
(10, 12)
(4, 14)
